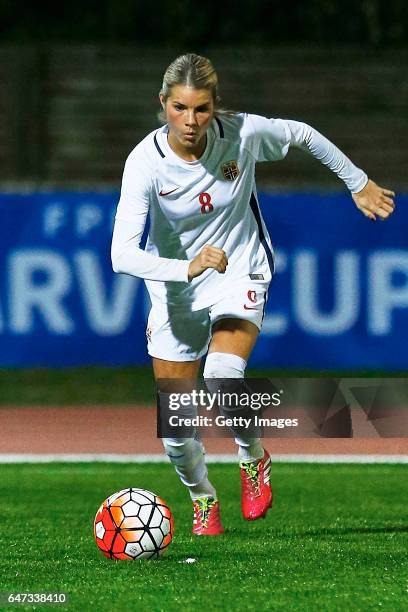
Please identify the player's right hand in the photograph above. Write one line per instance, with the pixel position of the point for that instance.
(209, 257)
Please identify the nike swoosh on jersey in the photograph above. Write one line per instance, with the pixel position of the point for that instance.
(250, 307)
(165, 193)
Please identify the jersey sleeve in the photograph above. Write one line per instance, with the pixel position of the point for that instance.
(266, 139)
(308, 139)
(130, 221)
(270, 139)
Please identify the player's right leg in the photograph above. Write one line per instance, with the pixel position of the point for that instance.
(174, 359)
(187, 454)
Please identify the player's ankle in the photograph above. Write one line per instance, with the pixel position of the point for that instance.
(202, 489)
(251, 453)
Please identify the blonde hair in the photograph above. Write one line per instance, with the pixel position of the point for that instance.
(194, 71)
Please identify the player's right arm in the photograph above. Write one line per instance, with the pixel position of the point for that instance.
(209, 257)
(133, 207)
(128, 257)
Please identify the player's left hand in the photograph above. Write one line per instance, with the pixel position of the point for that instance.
(375, 201)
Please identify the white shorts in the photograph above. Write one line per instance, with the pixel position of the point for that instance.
(179, 334)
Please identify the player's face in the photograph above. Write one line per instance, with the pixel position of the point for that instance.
(189, 112)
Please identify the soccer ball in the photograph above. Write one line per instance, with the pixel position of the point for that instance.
(133, 524)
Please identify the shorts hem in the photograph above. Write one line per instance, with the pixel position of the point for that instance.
(232, 316)
(178, 358)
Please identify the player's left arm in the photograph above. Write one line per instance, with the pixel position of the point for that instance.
(371, 199)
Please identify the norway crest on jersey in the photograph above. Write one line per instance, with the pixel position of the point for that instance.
(230, 170)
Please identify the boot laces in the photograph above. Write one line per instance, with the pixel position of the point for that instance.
(252, 479)
(203, 507)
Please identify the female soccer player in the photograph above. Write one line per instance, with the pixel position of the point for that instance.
(208, 260)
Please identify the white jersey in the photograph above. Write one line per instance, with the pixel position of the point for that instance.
(209, 201)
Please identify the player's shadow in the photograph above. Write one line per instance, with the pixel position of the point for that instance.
(190, 328)
(343, 531)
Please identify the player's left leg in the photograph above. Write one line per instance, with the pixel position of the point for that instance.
(233, 339)
(231, 345)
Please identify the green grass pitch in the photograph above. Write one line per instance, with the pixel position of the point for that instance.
(120, 385)
(336, 539)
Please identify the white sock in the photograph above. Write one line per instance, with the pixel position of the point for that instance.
(187, 456)
(227, 365)
(249, 449)
(203, 489)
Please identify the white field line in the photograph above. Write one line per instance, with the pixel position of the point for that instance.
(91, 458)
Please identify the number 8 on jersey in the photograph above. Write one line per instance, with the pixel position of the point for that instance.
(205, 202)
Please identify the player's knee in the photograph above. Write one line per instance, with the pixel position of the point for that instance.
(224, 376)
(224, 373)
(224, 365)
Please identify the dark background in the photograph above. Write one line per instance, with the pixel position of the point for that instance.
(79, 82)
(185, 23)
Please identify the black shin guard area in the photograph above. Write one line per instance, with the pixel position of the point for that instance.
(232, 405)
(172, 421)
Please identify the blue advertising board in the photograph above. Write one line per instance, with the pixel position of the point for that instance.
(339, 298)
